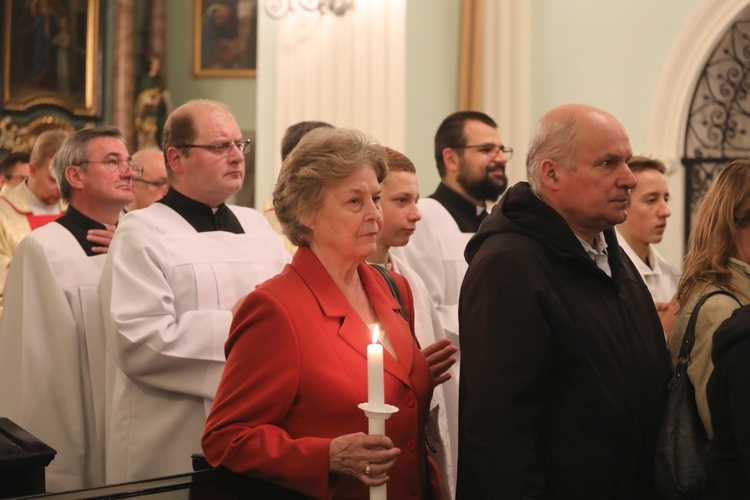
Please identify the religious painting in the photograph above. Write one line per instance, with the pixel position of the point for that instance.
(226, 38)
(50, 55)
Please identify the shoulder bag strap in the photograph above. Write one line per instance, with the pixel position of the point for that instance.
(394, 288)
(683, 359)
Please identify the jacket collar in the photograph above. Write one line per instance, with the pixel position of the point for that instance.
(352, 330)
(521, 211)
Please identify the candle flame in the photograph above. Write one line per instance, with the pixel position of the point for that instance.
(375, 335)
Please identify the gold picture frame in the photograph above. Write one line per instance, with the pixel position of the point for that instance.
(226, 38)
(53, 50)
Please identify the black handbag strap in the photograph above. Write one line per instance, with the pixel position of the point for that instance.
(394, 288)
(683, 358)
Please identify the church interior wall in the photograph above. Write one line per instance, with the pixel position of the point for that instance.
(608, 54)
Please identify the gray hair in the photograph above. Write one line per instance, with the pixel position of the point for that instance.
(74, 151)
(323, 156)
(555, 139)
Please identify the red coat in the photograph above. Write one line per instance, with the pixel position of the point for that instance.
(296, 371)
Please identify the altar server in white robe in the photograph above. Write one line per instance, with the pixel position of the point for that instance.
(648, 211)
(400, 216)
(471, 160)
(52, 344)
(174, 276)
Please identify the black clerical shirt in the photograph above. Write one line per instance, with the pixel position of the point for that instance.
(463, 211)
(202, 217)
(79, 225)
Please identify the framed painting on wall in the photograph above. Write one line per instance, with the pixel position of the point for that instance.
(226, 38)
(51, 55)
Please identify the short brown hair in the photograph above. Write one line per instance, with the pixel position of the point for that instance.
(324, 156)
(11, 160)
(398, 162)
(294, 133)
(181, 127)
(641, 163)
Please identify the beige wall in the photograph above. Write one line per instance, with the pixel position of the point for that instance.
(610, 54)
(237, 93)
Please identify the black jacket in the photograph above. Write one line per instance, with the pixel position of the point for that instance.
(728, 393)
(563, 369)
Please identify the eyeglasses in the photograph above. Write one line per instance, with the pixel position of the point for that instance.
(159, 184)
(123, 166)
(222, 148)
(491, 150)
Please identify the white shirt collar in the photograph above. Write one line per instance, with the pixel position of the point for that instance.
(597, 253)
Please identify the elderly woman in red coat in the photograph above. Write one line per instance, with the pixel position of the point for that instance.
(286, 408)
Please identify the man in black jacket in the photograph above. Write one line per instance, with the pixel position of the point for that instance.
(564, 365)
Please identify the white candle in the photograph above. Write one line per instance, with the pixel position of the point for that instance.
(375, 390)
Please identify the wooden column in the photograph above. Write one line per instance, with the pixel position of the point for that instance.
(157, 32)
(470, 71)
(124, 84)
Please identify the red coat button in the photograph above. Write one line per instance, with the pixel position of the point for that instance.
(409, 401)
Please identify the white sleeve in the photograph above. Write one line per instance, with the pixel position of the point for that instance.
(150, 342)
(423, 254)
(42, 364)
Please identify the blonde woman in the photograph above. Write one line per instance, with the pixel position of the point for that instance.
(718, 258)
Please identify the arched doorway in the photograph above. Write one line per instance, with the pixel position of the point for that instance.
(718, 122)
(668, 122)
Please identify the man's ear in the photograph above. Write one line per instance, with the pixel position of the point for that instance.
(450, 159)
(174, 157)
(549, 171)
(74, 177)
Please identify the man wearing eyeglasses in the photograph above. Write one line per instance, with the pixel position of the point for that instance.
(471, 160)
(52, 344)
(14, 169)
(175, 274)
(153, 184)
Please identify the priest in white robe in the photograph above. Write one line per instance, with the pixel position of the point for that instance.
(52, 344)
(174, 276)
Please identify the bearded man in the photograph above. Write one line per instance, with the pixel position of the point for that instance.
(471, 160)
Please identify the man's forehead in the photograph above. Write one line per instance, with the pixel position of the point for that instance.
(148, 157)
(650, 180)
(476, 130)
(107, 145)
(219, 132)
(603, 139)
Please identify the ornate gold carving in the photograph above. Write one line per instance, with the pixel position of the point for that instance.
(21, 138)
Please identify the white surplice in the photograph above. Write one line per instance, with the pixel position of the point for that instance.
(436, 253)
(52, 354)
(169, 290)
(443, 424)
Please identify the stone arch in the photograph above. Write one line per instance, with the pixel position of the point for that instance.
(665, 138)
